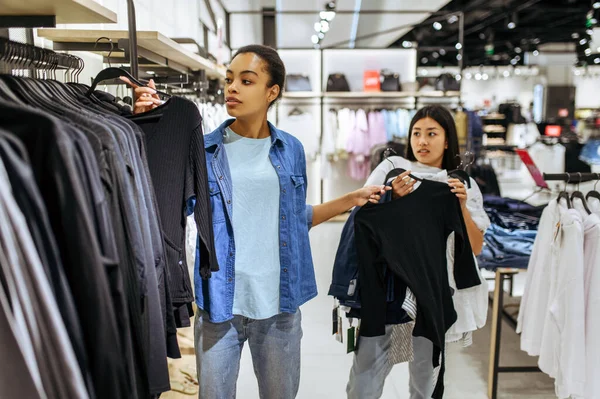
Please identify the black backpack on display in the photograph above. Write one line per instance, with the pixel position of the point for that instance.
(390, 81)
(297, 82)
(337, 82)
(447, 82)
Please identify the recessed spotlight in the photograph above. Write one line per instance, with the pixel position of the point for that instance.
(485, 76)
(317, 27)
(478, 76)
(518, 50)
(518, 58)
(514, 61)
(458, 46)
(583, 41)
(575, 35)
(324, 26)
(315, 39)
(468, 75)
(442, 51)
(517, 71)
(407, 44)
(482, 36)
(458, 77)
(596, 5)
(452, 19)
(424, 72)
(327, 15)
(536, 53)
(596, 60)
(577, 72)
(424, 60)
(588, 51)
(321, 35)
(511, 25)
(590, 32)
(437, 26)
(506, 74)
(458, 57)
(435, 55)
(151, 72)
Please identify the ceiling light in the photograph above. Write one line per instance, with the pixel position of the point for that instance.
(452, 19)
(518, 58)
(458, 57)
(437, 26)
(583, 41)
(151, 72)
(458, 77)
(458, 46)
(518, 50)
(512, 21)
(514, 61)
(517, 71)
(324, 26)
(424, 72)
(468, 75)
(593, 21)
(485, 76)
(506, 74)
(315, 39)
(477, 76)
(590, 32)
(327, 15)
(536, 41)
(588, 51)
(321, 35)
(597, 61)
(317, 27)
(575, 35)
(435, 55)
(407, 44)
(511, 25)
(482, 36)
(424, 60)
(536, 53)
(442, 51)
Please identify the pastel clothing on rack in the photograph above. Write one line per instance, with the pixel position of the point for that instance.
(358, 147)
(302, 126)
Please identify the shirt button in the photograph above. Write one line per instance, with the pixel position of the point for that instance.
(285, 244)
(181, 262)
(230, 279)
(229, 201)
(283, 191)
(231, 254)
(278, 166)
(220, 177)
(283, 217)
(285, 269)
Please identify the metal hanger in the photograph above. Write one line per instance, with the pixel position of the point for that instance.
(594, 193)
(579, 194)
(564, 194)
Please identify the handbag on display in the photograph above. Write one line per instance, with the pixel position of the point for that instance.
(447, 82)
(390, 81)
(371, 81)
(337, 82)
(297, 82)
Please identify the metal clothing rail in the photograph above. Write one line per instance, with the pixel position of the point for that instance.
(572, 177)
(29, 57)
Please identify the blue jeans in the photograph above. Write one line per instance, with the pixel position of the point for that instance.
(371, 367)
(274, 345)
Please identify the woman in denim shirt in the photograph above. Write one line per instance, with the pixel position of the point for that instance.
(257, 183)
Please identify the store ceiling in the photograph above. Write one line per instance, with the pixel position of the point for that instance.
(536, 22)
(295, 30)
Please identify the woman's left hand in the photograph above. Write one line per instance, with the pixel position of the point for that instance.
(369, 194)
(459, 189)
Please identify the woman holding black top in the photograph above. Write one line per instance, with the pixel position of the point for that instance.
(257, 183)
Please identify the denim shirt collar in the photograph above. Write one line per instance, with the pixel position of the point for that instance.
(215, 138)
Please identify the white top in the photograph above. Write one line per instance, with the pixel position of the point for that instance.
(471, 304)
(591, 257)
(302, 126)
(563, 348)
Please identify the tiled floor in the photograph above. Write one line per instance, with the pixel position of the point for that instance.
(325, 365)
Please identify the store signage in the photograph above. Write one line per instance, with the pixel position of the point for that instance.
(553, 131)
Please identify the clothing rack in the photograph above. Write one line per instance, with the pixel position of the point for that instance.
(572, 177)
(29, 57)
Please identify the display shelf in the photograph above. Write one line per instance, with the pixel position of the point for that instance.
(392, 94)
(302, 94)
(150, 43)
(65, 11)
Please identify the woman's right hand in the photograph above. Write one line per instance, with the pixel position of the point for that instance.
(145, 96)
(402, 185)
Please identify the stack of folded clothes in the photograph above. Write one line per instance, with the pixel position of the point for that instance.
(508, 242)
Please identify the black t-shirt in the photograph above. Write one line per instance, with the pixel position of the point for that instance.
(409, 236)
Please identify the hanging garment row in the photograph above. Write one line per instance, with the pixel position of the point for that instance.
(558, 318)
(93, 210)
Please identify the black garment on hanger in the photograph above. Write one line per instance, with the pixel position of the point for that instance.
(408, 236)
(177, 162)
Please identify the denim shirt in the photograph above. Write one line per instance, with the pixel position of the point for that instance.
(297, 283)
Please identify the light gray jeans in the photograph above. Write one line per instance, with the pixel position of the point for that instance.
(371, 367)
(274, 345)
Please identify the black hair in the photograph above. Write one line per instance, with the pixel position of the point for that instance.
(442, 116)
(275, 66)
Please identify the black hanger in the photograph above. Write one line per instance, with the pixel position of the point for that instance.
(579, 194)
(115, 73)
(564, 194)
(594, 193)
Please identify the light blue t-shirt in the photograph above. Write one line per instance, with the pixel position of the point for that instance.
(255, 222)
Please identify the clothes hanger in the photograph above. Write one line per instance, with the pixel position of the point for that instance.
(295, 111)
(564, 194)
(395, 171)
(594, 193)
(460, 172)
(114, 73)
(579, 194)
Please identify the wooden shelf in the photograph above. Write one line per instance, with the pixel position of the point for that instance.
(152, 41)
(66, 11)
